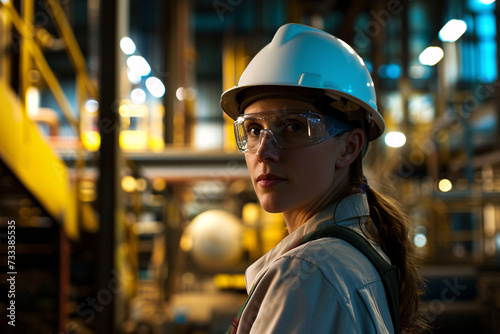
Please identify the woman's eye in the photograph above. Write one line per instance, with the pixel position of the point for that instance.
(254, 131)
(294, 127)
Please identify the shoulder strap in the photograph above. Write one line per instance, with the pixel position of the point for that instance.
(387, 272)
(233, 328)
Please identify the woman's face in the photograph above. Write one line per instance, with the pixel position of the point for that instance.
(296, 180)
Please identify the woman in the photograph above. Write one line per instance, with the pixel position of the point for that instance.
(304, 111)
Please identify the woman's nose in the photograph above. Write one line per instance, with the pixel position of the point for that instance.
(267, 150)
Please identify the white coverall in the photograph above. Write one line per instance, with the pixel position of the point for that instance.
(323, 286)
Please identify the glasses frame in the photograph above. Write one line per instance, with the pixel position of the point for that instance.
(333, 127)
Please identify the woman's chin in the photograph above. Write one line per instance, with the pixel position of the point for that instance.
(272, 205)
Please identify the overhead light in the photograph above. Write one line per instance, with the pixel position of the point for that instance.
(452, 30)
(155, 87)
(133, 140)
(431, 56)
(159, 184)
(127, 45)
(420, 240)
(445, 185)
(91, 140)
(486, 2)
(188, 93)
(395, 139)
(91, 106)
(129, 183)
(138, 65)
(128, 109)
(179, 93)
(134, 78)
(32, 101)
(138, 96)
(141, 185)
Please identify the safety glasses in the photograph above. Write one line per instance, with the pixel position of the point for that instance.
(286, 129)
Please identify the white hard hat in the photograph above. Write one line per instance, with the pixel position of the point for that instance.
(304, 57)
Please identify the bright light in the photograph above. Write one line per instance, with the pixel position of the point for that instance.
(185, 93)
(395, 139)
(138, 96)
(141, 185)
(133, 77)
(133, 140)
(32, 101)
(445, 185)
(452, 30)
(132, 110)
(486, 2)
(431, 56)
(91, 140)
(92, 106)
(159, 184)
(420, 240)
(179, 93)
(155, 87)
(128, 183)
(127, 45)
(138, 66)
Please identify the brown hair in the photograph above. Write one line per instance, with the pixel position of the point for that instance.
(393, 234)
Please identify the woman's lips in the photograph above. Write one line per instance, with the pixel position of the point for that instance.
(269, 180)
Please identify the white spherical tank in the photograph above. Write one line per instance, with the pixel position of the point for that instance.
(216, 238)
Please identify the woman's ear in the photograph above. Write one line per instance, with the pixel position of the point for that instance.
(353, 146)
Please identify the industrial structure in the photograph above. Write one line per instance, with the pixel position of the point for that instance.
(128, 207)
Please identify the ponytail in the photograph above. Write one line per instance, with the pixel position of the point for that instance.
(392, 231)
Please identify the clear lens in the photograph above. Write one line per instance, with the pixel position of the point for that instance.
(287, 129)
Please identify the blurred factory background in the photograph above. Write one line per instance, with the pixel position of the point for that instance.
(133, 209)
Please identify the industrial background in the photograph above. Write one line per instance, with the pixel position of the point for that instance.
(132, 209)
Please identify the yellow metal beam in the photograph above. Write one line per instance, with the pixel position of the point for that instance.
(25, 58)
(234, 62)
(21, 146)
(34, 163)
(27, 32)
(64, 29)
(74, 52)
